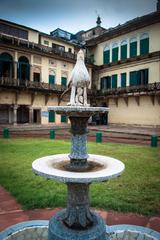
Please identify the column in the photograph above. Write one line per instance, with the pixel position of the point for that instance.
(10, 114)
(31, 115)
(119, 51)
(138, 45)
(128, 48)
(15, 107)
(15, 64)
(31, 68)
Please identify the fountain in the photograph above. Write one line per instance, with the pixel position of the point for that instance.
(77, 170)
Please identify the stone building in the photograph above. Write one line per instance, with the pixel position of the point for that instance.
(123, 62)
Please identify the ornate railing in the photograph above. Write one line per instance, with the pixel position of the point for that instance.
(151, 87)
(9, 40)
(25, 84)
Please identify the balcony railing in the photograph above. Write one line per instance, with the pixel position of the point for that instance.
(30, 85)
(151, 87)
(9, 40)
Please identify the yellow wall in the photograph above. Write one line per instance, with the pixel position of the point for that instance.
(33, 36)
(144, 114)
(152, 30)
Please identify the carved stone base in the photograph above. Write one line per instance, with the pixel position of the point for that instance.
(59, 231)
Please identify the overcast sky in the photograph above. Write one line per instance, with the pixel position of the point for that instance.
(73, 15)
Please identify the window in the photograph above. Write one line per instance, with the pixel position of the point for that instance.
(58, 47)
(115, 52)
(106, 83)
(63, 119)
(70, 50)
(133, 47)
(144, 44)
(114, 81)
(133, 78)
(46, 42)
(139, 77)
(64, 81)
(123, 50)
(51, 79)
(142, 77)
(106, 55)
(123, 79)
(36, 77)
(51, 116)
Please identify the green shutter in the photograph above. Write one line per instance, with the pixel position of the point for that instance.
(51, 79)
(63, 119)
(123, 79)
(123, 52)
(106, 57)
(114, 81)
(51, 116)
(144, 46)
(146, 73)
(133, 78)
(133, 49)
(63, 81)
(115, 54)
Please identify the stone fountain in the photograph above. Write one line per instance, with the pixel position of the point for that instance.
(77, 170)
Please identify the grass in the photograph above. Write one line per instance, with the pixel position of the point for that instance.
(137, 190)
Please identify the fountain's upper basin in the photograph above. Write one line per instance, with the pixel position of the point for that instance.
(48, 167)
(81, 111)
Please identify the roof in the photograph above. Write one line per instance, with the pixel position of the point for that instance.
(17, 25)
(127, 27)
(58, 39)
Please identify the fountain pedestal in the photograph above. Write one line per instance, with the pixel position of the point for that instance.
(77, 220)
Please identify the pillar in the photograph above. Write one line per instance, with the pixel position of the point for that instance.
(15, 107)
(30, 115)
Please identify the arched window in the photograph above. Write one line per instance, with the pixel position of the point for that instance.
(144, 44)
(6, 65)
(51, 77)
(106, 55)
(23, 69)
(115, 52)
(133, 47)
(123, 50)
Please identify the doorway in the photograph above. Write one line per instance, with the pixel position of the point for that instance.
(37, 116)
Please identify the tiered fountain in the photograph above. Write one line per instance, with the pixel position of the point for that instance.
(78, 170)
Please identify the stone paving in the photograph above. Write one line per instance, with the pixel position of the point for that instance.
(12, 213)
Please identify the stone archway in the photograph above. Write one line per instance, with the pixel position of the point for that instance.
(23, 69)
(6, 66)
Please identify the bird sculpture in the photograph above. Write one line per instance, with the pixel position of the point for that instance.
(79, 82)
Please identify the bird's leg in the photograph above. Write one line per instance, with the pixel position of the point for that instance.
(85, 96)
(72, 98)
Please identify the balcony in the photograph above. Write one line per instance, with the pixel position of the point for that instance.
(10, 83)
(151, 88)
(9, 40)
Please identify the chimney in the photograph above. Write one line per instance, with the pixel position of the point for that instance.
(98, 21)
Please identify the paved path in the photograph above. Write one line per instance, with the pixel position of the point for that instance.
(12, 213)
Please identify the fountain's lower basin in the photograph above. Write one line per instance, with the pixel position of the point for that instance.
(38, 230)
(52, 167)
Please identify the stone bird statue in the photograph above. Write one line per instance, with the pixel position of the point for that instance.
(79, 82)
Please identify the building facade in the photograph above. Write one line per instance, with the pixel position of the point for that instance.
(128, 63)
(123, 62)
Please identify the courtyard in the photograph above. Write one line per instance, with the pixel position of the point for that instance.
(136, 191)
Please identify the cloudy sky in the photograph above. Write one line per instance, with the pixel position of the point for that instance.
(73, 15)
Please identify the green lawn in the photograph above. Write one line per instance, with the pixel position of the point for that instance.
(137, 190)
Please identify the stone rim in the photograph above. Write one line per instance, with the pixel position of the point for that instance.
(113, 168)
